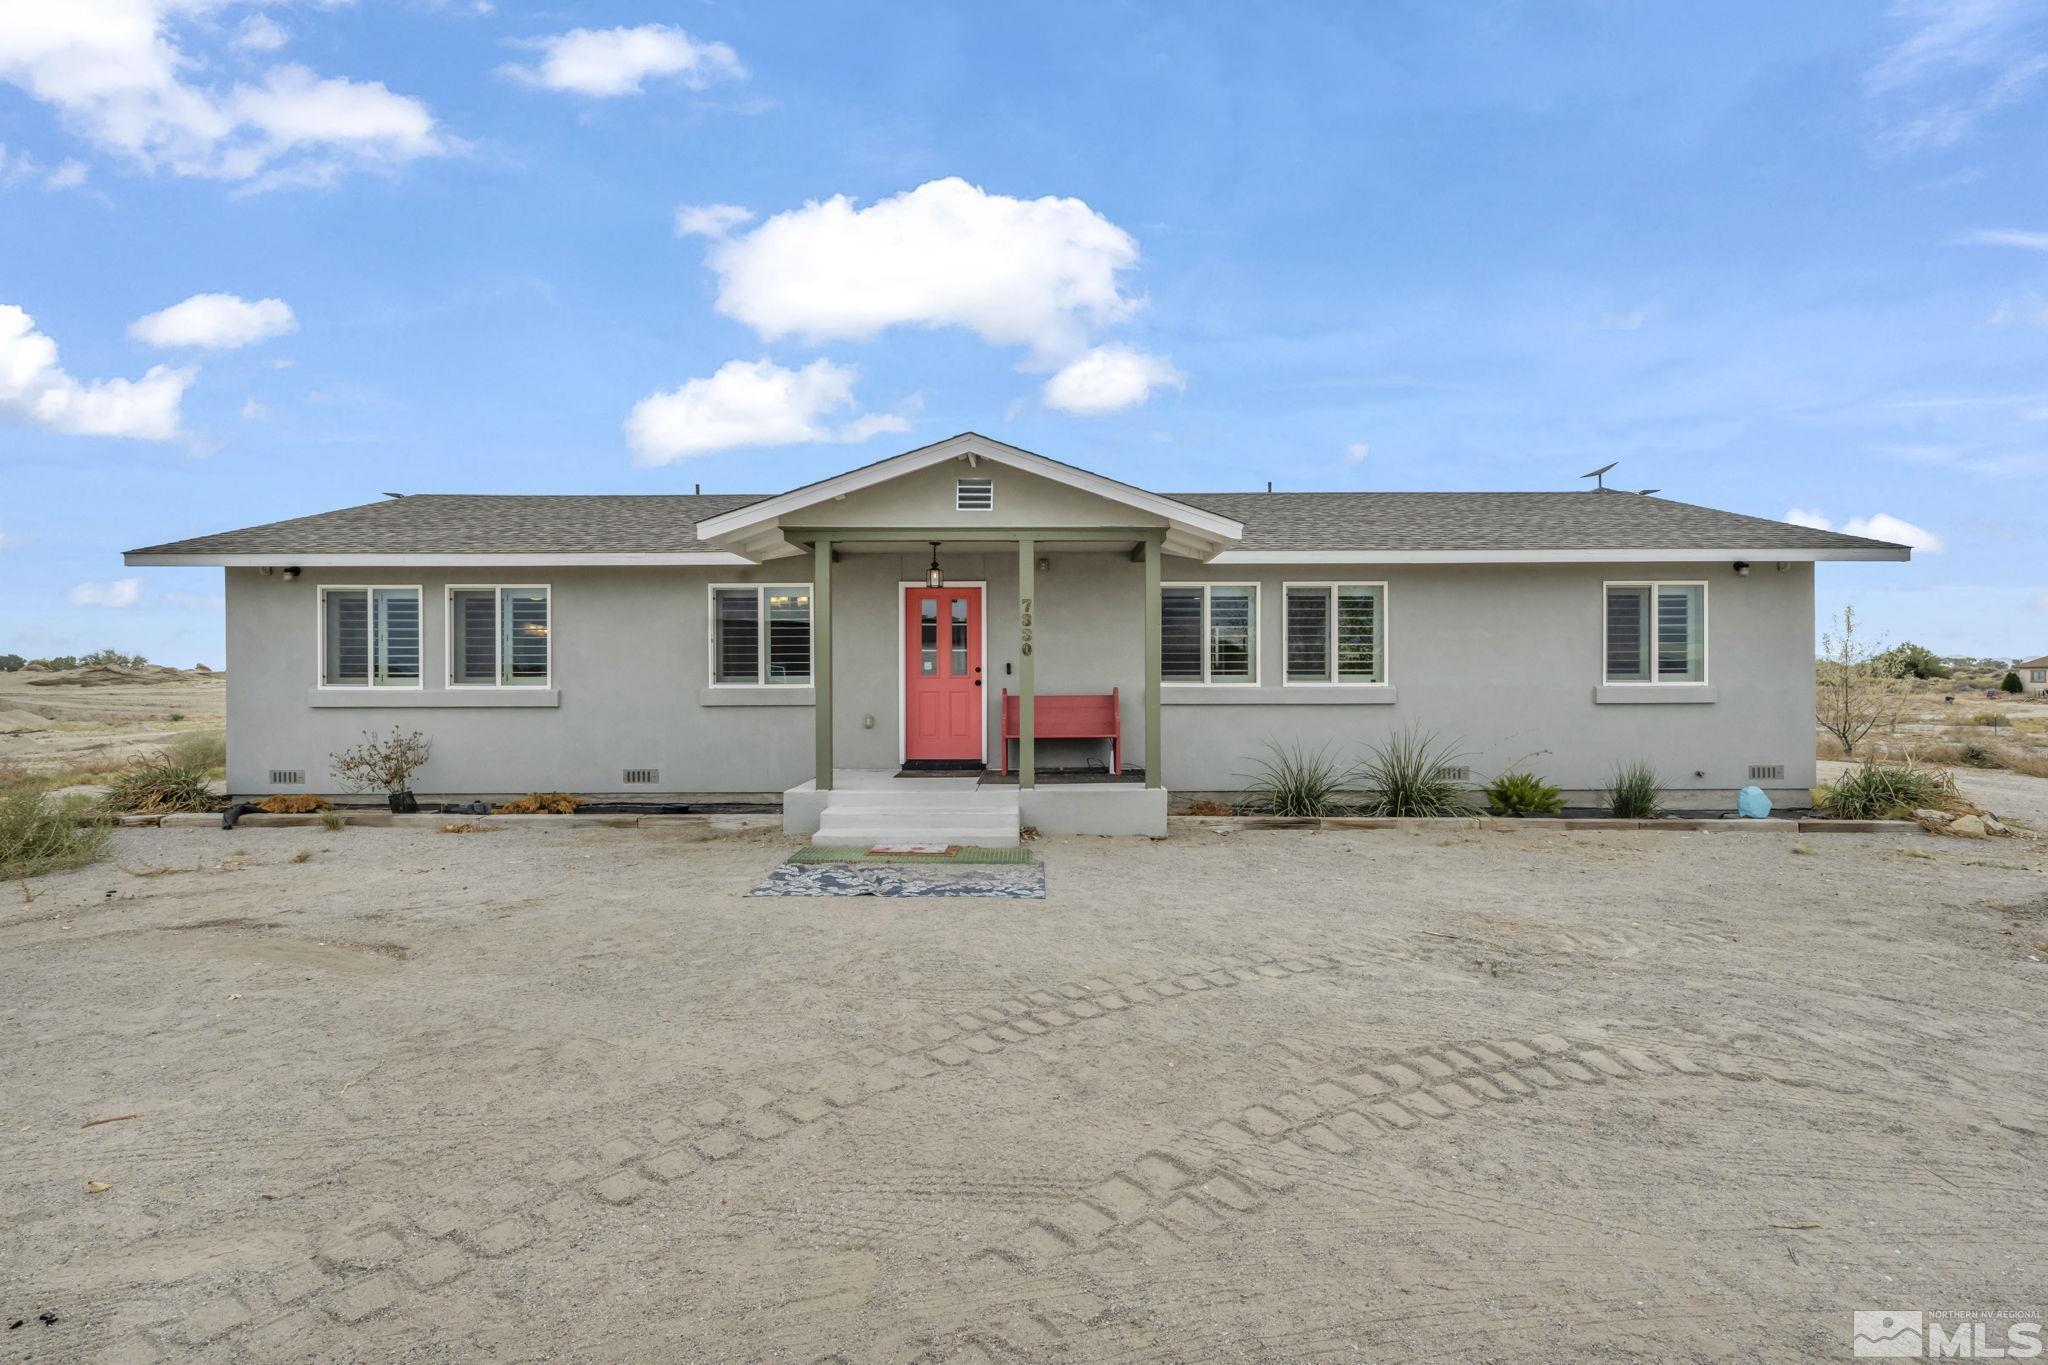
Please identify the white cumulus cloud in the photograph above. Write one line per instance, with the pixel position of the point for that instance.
(259, 34)
(35, 388)
(750, 403)
(1108, 379)
(1040, 273)
(116, 74)
(215, 321)
(1876, 526)
(122, 592)
(711, 220)
(607, 62)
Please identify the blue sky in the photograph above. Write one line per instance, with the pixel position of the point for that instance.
(292, 255)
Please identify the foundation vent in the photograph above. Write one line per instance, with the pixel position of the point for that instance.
(975, 495)
(642, 777)
(1458, 774)
(287, 777)
(1767, 772)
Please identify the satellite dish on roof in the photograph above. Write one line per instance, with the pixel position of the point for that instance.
(1600, 484)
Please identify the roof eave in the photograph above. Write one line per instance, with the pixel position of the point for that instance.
(282, 560)
(1653, 555)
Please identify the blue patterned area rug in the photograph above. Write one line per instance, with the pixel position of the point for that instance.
(1018, 882)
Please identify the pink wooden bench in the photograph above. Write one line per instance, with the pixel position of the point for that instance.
(1073, 715)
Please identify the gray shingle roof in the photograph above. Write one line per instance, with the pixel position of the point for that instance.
(506, 524)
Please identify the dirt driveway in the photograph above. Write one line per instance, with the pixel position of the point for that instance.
(1271, 1096)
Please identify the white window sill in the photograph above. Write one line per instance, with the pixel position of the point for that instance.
(746, 694)
(1323, 694)
(409, 698)
(1655, 694)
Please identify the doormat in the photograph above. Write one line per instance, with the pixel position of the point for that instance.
(965, 853)
(1017, 882)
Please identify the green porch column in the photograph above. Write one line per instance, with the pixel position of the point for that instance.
(1153, 776)
(821, 658)
(1027, 665)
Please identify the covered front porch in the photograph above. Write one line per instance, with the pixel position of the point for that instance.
(968, 640)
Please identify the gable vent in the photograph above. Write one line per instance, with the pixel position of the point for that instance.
(975, 495)
(1767, 772)
(641, 777)
(287, 777)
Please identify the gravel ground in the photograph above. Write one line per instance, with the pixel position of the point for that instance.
(571, 1094)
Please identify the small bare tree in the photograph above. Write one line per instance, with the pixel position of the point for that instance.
(385, 765)
(1855, 694)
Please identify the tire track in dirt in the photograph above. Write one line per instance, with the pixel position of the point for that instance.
(380, 1258)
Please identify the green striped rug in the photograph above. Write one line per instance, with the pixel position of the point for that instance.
(813, 853)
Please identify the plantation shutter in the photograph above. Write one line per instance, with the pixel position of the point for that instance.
(736, 625)
(1681, 633)
(397, 635)
(789, 634)
(1180, 634)
(475, 637)
(348, 638)
(1358, 634)
(525, 614)
(1308, 635)
(1232, 634)
(1628, 639)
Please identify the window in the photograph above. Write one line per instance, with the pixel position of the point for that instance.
(1209, 633)
(756, 625)
(2039, 675)
(369, 637)
(974, 495)
(1656, 633)
(498, 637)
(1336, 633)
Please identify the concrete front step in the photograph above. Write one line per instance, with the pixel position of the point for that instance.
(859, 836)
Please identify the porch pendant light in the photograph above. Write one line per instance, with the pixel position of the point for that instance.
(934, 577)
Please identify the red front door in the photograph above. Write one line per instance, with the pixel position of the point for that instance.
(943, 696)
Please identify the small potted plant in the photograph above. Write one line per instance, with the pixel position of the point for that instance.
(384, 765)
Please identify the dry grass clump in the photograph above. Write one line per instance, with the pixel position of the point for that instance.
(1208, 807)
(293, 803)
(206, 750)
(1885, 791)
(38, 836)
(540, 803)
(470, 827)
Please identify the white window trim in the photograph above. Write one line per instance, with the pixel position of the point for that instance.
(370, 684)
(1706, 676)
(988, 479)
(903, 587)
(1258, 635)
(1330, 586)
(760, 591)
(497, 591)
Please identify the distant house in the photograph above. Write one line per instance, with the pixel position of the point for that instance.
(2033, 673)
(900, 617)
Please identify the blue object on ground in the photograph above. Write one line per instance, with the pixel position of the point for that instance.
(1752, 802)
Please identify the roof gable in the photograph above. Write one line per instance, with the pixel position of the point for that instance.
(1059, 495)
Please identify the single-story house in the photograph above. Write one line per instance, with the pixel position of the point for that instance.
(900, 619)
(2033, 673)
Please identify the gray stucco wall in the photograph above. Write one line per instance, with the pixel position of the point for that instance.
(1505, 659)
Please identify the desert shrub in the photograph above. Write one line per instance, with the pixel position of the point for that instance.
(38, 836)
(2011, 682)
(1293, 780)
(203, 749)
(11, 663)
(1414, 773)
(1208, 807)
(1523, 794)
(293, 803)
(1634, 792)
(384, 765)
(540, 803)
(1974, 755)
(1887, 791)
(113, 657)
(161, 787)
(1991, 720)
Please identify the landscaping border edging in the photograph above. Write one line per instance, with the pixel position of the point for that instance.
(1598, 825)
